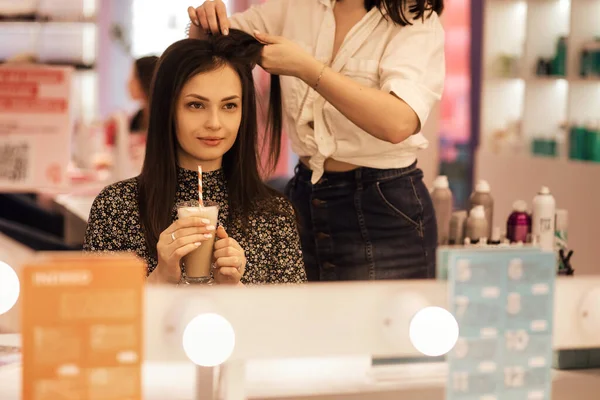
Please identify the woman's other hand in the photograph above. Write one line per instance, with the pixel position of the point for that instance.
(230, 259)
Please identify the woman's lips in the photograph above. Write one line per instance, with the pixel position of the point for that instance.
(211, 141)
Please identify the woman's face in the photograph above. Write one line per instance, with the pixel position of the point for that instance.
(208, 116)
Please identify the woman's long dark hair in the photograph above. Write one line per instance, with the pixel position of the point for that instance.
(158, 179)
(144, 71)
(396, 9)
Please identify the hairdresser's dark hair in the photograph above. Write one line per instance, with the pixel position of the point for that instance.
(158, 180)
(397, 9)
(144, 70)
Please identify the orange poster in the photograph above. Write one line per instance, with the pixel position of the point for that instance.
(82, 327)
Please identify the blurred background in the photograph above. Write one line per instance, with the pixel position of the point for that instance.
(521, 107)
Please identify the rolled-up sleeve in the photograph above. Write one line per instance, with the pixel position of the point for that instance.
(413, 65)
(267, 17)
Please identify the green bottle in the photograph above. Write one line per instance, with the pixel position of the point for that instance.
(586, 63)
(535, 146)
(577, 142)
(595, 57)
(559, 67)
(590, 139)
(594, 138)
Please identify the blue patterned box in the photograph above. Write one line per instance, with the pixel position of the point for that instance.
(443, 252)
(503, 301)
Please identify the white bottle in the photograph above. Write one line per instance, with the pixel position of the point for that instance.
(542, 219)
(482, 197)
(442, 204)
(477, 227)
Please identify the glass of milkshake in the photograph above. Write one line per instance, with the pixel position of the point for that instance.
(197, 265)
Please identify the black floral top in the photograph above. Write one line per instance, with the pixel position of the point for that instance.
(271, 243)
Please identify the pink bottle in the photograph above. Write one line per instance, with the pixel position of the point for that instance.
(518, 226)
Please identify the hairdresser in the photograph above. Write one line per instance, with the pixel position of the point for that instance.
(359, 79)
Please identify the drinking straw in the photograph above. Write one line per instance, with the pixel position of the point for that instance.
(200, 201)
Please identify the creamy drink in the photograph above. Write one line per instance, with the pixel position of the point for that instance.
(197, 264)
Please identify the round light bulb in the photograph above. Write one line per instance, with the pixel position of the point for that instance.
(208, 340)
(433, 331)
(9, 287)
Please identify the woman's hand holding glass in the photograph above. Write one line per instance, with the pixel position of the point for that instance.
(179, 239)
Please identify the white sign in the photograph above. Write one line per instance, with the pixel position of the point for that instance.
(35, 127)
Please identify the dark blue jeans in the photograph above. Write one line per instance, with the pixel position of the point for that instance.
(365, 224)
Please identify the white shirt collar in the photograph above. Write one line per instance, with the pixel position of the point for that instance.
(329, 3)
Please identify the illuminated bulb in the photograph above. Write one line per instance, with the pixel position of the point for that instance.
(9, 287)
(433, 331)
(208, 340)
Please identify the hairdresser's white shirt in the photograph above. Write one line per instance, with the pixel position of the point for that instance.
(408, 61)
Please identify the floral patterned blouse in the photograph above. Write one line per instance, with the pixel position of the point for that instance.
(271, 243)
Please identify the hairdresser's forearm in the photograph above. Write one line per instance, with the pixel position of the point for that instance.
(378, 113)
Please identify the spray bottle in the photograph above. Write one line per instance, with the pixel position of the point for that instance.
(543, 219)
(442, 204)
(482, 197)
(477, 227)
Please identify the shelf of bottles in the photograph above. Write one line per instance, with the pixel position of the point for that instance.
(541, 78)
(55, 32)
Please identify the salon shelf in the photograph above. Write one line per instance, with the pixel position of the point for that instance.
(541, 104)
(18, 18)
(63, 33)
(77, 66)
(38, 20)
(573, 184)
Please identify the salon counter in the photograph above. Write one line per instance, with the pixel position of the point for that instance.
(76, 210)
(348, 378)
(75, 206)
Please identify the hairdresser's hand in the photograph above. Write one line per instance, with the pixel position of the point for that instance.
(179, 239)
(230, 260)
(281, 56)
(209, 18)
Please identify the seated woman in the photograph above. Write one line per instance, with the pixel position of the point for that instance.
(138, 86)
(203, 113)
(126, 158)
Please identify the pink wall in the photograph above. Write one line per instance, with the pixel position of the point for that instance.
(455, 104)
(114, 63)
